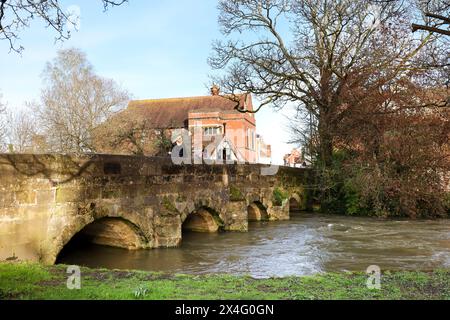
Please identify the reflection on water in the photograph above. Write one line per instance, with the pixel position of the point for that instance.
(307, 244)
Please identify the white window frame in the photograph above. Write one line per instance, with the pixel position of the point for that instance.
(212, 131)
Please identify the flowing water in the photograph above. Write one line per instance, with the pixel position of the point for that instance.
(307, 244)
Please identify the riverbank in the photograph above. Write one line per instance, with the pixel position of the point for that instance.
(33, 281)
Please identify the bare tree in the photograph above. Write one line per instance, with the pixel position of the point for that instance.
(22, 130)
(435, 16)
(15, 15)
(75, 101)
(321, 56)
(127, 133)
(2, 124)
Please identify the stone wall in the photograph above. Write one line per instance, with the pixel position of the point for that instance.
(46, 199)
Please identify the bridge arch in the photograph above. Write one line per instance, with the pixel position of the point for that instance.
(295, 203)
(257, 212)
(108, 230)
(202, 219)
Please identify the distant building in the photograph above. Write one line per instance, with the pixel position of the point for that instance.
(217, 126)
(294, 159)
(264, 154)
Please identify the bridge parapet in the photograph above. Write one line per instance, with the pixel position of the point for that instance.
(128, 201)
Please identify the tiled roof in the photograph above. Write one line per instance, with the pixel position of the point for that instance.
(173, 112)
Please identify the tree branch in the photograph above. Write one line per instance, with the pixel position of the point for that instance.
(416, 27)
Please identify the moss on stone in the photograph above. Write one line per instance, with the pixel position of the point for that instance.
(218, 220)
(279, 196)
(236, 194)
(168, 205)
(64, 195)
(301, 193)
(111, 193)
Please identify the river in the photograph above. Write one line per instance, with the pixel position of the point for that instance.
(307, 244)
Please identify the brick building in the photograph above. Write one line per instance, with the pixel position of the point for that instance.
(294, 159)
(216, 125)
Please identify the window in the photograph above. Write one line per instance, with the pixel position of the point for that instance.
(247, 139)
(253, 140)
(250, 139)
(212, 131)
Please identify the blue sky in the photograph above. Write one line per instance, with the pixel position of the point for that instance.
(154, 49)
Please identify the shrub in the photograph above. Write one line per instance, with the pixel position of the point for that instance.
(353, 188)
(447, 203)
(279, 196)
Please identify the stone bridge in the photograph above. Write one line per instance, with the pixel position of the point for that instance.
(132, 202)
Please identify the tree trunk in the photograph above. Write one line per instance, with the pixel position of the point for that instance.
(326, 142)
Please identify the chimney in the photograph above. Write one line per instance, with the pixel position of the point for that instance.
(215, 90)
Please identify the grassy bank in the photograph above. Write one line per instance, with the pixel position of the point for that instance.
(33, 281)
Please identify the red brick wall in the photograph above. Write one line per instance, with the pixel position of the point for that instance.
(235, 125)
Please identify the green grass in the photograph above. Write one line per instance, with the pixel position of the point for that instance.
(34, 281)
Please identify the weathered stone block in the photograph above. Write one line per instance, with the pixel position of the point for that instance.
(46, 196)
(93, 192)
(111, 192)
(7, 199)
(64, 195)
(26, 197)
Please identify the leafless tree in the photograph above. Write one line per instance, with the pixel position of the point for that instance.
(126, 133)
(21, 132)
(75, 101)
(314, 54)
(435, 16)
(2, 124)
(443, 21)
(15, 15)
